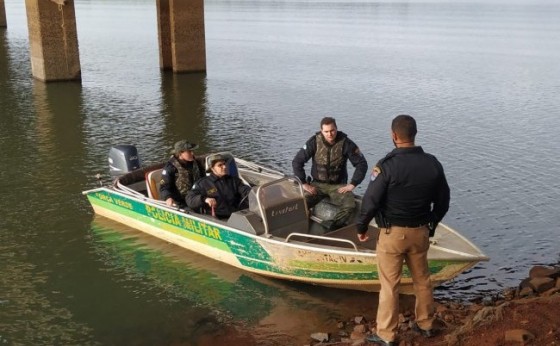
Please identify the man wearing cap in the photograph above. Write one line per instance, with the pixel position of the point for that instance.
(218, 194)
(330, 150)
(179, 174)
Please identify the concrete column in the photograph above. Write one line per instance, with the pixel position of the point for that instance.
(53, 40)
(164, 34)
(188, 46)
(3, 22)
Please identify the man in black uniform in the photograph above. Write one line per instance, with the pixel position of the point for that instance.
(179, 174)
(330, 150)
(218, 194)
(408, 196)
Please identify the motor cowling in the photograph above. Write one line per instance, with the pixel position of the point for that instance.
(122, 159)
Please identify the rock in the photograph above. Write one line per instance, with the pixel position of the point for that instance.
(321, 337)
(340, 325)
(519, 335)
(509, 293)
(357, 335)
(359, 319)
(360, 328)
(343, 333)
(526, 292)
(452, 339)
(542, 272)
(557, 282)
(488, 301)
(524, 283)
(541, 284)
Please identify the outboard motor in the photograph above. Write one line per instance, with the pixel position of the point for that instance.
(122, 159)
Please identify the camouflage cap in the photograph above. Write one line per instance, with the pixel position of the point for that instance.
(183, 145)
(213, 159)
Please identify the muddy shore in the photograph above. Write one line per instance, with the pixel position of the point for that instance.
(525, 315)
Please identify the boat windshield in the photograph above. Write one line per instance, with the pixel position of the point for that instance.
(281, 204)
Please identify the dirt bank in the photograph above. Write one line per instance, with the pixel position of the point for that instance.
(528, 314)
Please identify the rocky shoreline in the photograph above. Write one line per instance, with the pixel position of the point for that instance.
(526, 315)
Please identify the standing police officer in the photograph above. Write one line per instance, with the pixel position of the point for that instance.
(408, 196)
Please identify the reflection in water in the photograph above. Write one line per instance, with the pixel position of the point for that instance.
(228, 295)
(184, 108)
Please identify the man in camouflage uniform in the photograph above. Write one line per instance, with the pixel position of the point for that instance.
(330, 150)
(179, 174)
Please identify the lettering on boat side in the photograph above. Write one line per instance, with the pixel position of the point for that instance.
(183, 222)
(285, 210)
(329, 258)
(109, 199)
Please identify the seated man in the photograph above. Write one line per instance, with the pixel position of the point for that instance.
(179, 174)
(219, 193)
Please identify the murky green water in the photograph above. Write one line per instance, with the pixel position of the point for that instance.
(481, 78)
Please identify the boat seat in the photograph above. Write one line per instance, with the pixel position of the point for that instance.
(153, 181)
(287, 217)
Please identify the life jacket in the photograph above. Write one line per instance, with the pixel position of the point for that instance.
(329, 160)
(184, 178)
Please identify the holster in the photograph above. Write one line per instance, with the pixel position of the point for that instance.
(382, 221)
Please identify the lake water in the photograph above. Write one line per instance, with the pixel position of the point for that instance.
(482, 79)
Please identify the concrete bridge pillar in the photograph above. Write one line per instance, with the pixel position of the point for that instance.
(3, 22)
(53, 40)
(181, 35)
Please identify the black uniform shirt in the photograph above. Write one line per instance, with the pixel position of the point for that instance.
(227, 190)
(408, 187)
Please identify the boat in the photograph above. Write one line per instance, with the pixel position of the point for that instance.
(277, 236)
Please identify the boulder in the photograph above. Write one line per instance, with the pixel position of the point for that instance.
(541, 284)
(544, 272)
(321, 337)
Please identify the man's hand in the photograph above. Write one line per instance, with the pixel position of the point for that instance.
(211, 202)
(310, 189)
(363, 237)
(170, 202)
(347, 188)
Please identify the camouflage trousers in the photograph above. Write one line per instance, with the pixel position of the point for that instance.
(344, 200)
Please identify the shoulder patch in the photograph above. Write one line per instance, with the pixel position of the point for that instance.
(164, 172)
(304, 147)
(375, 172)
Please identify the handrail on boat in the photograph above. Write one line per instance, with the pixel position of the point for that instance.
(129, 190)
(321, 238)
(261, 169)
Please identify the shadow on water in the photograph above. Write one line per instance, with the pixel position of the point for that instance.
(215, 294)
